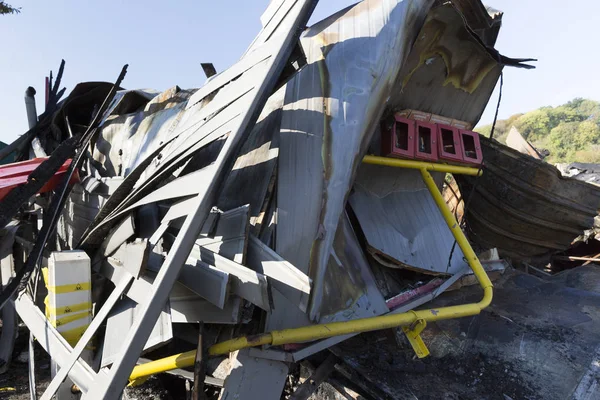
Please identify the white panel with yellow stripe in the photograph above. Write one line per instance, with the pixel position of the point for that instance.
(69, 301)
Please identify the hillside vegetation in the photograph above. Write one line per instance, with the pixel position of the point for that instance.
(571, 132)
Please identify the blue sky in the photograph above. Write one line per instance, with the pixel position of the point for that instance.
(165, 42)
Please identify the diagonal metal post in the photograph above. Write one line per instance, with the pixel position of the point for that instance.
(110, 385)
(87, 336)
(199, 370)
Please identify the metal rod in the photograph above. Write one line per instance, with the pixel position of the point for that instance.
(595, 258)
(573, 258)
(458, 234)
(199, 371)
(32, 380)
(321, 331)
(51, 340)
(65, 368)
(32, 118)
(429, 166)
(112, 384)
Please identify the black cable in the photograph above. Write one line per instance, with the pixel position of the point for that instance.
(51, 217)
(468, 202)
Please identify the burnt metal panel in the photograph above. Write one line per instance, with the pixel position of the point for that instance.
(280, 49)
(120, 318)
(523, 206)
(448, 72)
(249, 181)
(331, 109)
(401, 222)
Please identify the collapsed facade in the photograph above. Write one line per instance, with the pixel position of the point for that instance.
(244, 206)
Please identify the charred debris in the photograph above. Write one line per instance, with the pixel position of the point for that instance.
(235, 239)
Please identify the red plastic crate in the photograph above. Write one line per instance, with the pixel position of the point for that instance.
(398, 140)
(426, 138)
(15, 174)
(471, 148)
(449, 143)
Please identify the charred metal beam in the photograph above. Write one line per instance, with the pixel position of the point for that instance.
(209, 69)
(36, 181)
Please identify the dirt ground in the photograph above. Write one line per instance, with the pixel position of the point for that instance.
(536, 341)
(14, 384)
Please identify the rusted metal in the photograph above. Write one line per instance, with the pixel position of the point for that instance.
(524, 207)
(408, 295)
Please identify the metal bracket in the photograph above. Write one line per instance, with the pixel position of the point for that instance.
(413, 333)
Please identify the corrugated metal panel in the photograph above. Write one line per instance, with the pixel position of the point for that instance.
(523, 206)
(331, 108)
(121, 318)
(585, 172)
(127, 139)
(401, 222)
(81, 208)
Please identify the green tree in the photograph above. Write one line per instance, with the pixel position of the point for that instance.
(587, 134)
(534, 124)
(563, 114)
(589, 108)
(571, 131)
(8, 9)
(561, 140)
(591, 155)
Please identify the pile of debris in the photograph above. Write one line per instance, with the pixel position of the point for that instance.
(192, 231)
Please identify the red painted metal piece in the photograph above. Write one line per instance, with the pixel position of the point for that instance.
(449, 143)
(399, 140)
(471, 148)
(404, 297)
(426, 138)
(15, 174)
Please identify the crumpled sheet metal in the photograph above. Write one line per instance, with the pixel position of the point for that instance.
(516, 141)
(402, 225)
(189, 130)
(347, 270)
(523, 206)
(448, 71)
(125, 140)
(585, 172)
(229, 115)
(129, 101)
(331, 109)
(485, 21)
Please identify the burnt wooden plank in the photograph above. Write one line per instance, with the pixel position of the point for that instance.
(311, 384)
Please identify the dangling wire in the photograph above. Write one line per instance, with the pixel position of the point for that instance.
(468, 202)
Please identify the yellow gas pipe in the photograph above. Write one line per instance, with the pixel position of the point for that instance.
(322, 331)
(422, 165)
